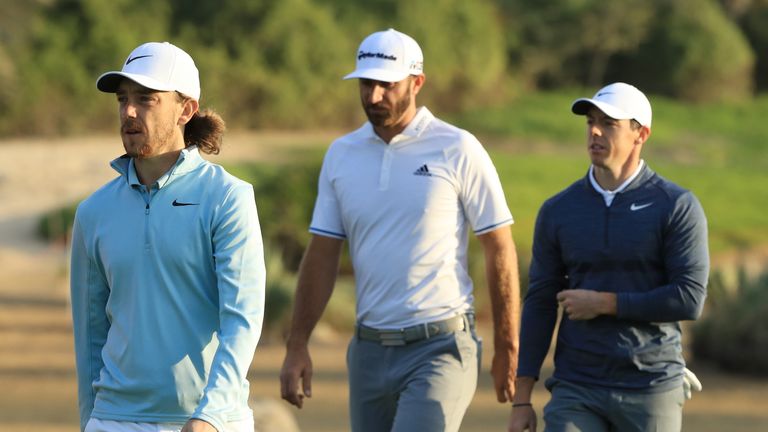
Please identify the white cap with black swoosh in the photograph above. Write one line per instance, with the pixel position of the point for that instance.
(158, 66)
(620, 101)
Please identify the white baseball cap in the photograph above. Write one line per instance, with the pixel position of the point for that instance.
(388, 56)
(158, 66)
(620, 101)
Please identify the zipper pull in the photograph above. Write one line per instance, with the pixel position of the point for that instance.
(146, 209)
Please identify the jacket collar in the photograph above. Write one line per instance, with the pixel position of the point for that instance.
(189, 159)
(643, 176)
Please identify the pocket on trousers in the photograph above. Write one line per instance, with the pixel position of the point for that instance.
(467, 349)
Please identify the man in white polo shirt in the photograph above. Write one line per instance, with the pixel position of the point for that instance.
(405, 189)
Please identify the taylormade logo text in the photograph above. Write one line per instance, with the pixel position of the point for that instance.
(364, 54)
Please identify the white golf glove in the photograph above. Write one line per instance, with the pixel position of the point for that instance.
(690, 383)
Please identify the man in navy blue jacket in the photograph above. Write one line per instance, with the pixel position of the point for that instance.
(624, 253)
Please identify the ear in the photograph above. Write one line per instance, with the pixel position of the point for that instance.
(418, 83)
(642, 137)
(188, 109)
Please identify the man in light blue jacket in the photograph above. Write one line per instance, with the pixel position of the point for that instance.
(167, 265)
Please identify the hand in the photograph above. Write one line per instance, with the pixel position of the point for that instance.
(503, 370)
(297, 366)
(522, 418)
(581, 304)
(197, 425)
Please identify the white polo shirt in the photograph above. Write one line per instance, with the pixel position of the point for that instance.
(406, 208)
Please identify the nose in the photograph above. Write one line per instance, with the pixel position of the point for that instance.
(376, 93)
(127, 110)
(593, 130)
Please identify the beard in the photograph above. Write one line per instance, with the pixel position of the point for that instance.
(146, 144)
(381, 116)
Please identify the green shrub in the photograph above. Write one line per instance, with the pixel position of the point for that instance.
(699, 57)
(753, 24)
(55, 225)
(559, 43)
(464, 50)
(279, 290)
(734, 331)
(270, 65)
(285, 198)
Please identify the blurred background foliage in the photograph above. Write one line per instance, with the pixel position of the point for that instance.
(734, 332)
(277, 64)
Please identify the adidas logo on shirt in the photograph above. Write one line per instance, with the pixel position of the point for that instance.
(422, 171)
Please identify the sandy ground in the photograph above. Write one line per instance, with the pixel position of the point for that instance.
(36, 359)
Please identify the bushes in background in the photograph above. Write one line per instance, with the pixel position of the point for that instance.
(278, 64)
(702, 56)
(734, 331)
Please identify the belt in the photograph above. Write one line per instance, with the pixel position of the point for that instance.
(403, 336)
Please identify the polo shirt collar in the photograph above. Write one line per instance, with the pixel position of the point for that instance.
(414, 129)
(419, 122)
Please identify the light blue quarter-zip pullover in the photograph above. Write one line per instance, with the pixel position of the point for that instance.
(167, 295)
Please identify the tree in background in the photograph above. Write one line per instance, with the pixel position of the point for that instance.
(567, 42)
(278, 64)
(658, 45)
(699, 57)
(11, 30)
(269, 63)
(57, 55)
(464, 50)
(463, 44)
(752, 17)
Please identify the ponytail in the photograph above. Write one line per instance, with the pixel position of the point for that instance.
(205, 130)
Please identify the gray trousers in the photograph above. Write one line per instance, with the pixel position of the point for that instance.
(576, 408)
(423, 386)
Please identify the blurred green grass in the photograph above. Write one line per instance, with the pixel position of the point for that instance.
(726, 134)
(731, 198)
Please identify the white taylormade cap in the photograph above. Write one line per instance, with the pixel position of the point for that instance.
(388, 56)
(618, 100)
(158, 66)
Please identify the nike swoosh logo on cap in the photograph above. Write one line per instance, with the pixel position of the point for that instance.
(136, 58)
(603, 93)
